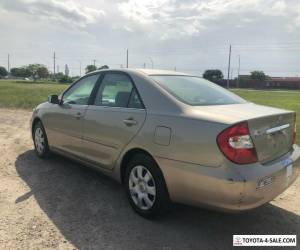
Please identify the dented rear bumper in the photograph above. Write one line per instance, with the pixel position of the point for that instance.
(230, 187)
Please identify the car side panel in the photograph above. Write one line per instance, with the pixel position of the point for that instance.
(63, 126)
(191, 140)
(105, 134)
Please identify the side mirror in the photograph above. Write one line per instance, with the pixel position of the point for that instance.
(53, 99)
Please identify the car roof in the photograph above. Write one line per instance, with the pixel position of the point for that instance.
(147, 72)
(159, 72)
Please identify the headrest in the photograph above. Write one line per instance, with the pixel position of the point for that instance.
(122, 99)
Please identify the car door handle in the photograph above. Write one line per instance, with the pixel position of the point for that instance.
(130, 122)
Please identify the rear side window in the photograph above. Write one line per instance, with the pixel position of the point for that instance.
(117, 90)
(196, 91)
(135, 101)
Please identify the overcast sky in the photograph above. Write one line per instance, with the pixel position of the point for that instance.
(191, 35)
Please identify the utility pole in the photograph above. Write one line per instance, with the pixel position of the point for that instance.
(8, 63)
(94, 61)
(238, 78)
(151, 62)
(229, 61)
(127, 58)
(144, 65)
(54, 58)
(80, 68)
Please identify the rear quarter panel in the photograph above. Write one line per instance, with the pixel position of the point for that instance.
(191, 140)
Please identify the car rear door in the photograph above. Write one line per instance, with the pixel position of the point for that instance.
(113, 120)
(64, 122)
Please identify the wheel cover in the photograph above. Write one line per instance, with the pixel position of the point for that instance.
(142, 187)
(39, 140)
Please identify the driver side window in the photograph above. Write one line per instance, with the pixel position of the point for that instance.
(79, 94)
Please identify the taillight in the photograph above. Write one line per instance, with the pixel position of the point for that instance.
(236, 144)
(295, 130)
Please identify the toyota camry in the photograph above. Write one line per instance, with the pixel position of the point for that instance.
(171, 137)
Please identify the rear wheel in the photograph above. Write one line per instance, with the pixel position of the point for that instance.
(40, 141)
(145, 187)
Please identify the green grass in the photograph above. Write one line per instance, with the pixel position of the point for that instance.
(26, 95)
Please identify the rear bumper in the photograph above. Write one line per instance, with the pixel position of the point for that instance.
(230, 187)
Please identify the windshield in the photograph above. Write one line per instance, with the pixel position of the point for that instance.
(196, 91)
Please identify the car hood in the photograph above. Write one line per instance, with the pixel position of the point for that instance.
(233, 113)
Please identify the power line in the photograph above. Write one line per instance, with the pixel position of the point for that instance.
(265, 45)
(273, 65)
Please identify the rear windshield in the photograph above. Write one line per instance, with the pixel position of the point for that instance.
(196, 91)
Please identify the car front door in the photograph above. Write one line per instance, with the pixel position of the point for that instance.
(113, 120)
(64, 122)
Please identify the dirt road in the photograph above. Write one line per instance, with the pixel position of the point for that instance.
(59, 204)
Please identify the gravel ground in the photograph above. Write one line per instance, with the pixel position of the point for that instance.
(59, 204)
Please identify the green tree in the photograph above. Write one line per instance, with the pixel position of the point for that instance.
(20, 72)
(75, 78)
(258, 75)
(57, 75)
(34, 68)
(65, 79)
(90, 68)
(104, 67)
(14, 71)
(42, 72)
(213, 75)
(3, 72)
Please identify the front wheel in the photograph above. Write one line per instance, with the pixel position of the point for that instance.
(40, 141)
(145, 187)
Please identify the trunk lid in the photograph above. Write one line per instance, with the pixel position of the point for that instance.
(272, 135)
(271, 128)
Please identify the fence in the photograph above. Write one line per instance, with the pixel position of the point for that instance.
(283, 83)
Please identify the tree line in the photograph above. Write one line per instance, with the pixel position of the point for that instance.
(216, 75)
(40, 71)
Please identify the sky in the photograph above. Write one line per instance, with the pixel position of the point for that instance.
(186, 35)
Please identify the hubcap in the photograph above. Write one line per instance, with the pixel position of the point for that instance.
(142, 187)
(39, 140)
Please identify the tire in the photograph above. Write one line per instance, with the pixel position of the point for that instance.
(40, 141)
(145, 187)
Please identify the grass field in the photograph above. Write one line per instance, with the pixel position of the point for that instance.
(27, 95)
